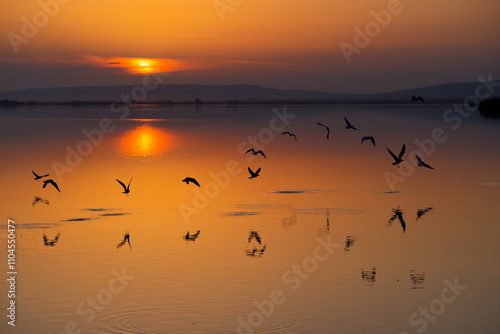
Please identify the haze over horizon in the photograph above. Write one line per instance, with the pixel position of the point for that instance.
(299, 45)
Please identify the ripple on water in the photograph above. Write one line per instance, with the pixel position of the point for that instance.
(200, 319)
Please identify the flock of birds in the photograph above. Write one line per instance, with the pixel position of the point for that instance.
(258, 249)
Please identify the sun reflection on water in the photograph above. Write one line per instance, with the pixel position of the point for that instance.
(145, 141)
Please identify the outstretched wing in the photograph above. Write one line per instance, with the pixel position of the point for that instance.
(258, 171)
(128, 187)
(262, 154)
(403, 149)
(392, 154)
(347, 122)
(294, 136)
(194, 181)
(322, 125)
(426, 165)
(328, 133)
(286, 133)
(36, 175)
(418, 158)
(250, 171)
(123, 185)
(372, 140)
(54, 184)
(250, 150)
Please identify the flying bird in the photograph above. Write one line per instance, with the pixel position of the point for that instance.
(38, 177)
(327, 129)
(349, 125)
(416, 98)
(191, 237)
(126, 189)
(290, 134)
(50, 181)
(190, 179)
(256, 152)
(398, 159)
(253, 174)
(370, 138)
(52, 242)
(421, 163)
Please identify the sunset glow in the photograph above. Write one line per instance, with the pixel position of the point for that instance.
(259, 39)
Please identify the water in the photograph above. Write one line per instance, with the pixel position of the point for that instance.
(310, 192)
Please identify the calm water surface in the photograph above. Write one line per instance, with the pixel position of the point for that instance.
(430, 230)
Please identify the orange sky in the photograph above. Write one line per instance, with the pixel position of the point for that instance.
(282, 44)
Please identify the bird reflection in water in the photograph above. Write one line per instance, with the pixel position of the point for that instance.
(255, 250)
(254, 235)
(417, 279)
(52, 242)
(369, 275)
(126, 239)
(40, 200)
(286, 223)
(421, 212)
(326, 229)
(191, 237)
(349, 242)
(398, 214)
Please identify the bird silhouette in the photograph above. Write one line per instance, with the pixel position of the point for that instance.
(253, 174)
(191, 237)
(398, 159)
(370, 138)
(349, 125)
(126, 238)
(190, 179)
(50, 181)
(52, 242)
(290, 134)
(40, 200)
(421, 163)
(399, 215)
(38, 177)
(327, 129)
(416, 98)
(421, 212)
(256, 152)
(126, 189)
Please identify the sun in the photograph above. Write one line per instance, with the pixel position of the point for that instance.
(145, 64)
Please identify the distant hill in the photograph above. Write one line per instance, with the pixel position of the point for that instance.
(454, 92)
